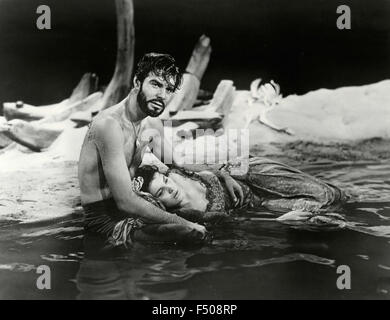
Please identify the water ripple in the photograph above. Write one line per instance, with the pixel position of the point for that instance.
(174, 276)
(18, 267)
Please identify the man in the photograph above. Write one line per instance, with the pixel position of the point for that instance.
(112, 151)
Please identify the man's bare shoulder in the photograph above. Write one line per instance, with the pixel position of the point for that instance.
(106, 129)
(110, 117)
(105, 124)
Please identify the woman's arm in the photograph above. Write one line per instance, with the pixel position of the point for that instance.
(223, 173)
(235, 168)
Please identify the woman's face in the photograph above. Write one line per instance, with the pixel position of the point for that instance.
(166, 190)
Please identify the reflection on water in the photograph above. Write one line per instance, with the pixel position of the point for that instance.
(251, 257)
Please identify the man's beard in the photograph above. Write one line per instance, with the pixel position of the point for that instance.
(143, 104)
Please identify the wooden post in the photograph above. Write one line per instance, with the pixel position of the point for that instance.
(200, 57)
(87, 85)
(186, 96)
(120, 83)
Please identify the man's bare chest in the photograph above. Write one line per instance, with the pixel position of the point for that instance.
(134, 150)
(130, 149)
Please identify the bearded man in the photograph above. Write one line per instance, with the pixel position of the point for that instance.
(112, 151)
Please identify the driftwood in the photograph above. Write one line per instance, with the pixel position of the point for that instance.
(28, 112)
(4, 140)
(30, 135)
(40, 134)
(78, 106)
(81, 118)
(223, 97)
(200, 57)
(204, 119)
(212, 115)
(87, 85)
(20, 110)
(186, 96)
(119, 85)
(190, 115)
(47, 122)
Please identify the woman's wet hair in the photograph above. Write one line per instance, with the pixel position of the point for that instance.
(147, 172)
(162, 65)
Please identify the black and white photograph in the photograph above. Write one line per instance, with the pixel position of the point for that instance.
(203, 150)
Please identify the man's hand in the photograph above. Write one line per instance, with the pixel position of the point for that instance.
(200, 229)
(234, 189)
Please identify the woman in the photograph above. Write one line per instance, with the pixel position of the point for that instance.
(203, 197)
(269, 184)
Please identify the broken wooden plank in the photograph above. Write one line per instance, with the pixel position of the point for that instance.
(186, 96)
(28, 112)
(38, 135)
(81, 118)
(4, 140)
(87, 85)
(200, 57)
(204, 119)
(82, 105)
(223, 97)
(32, 135)
(188, 115)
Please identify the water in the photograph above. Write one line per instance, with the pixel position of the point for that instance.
(251, 257)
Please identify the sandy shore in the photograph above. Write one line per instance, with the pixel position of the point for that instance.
(40, 193)
(37, 186)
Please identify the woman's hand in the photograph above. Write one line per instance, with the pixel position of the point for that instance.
(235, 190)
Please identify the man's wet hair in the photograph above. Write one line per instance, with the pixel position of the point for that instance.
(160, 64)
(147, 172)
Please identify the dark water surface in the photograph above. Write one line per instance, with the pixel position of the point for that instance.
(251, 257)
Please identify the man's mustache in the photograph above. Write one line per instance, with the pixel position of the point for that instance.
(157, 100)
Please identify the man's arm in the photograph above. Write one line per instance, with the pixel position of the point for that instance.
(161, 144)
(109, 141)
(199, 216)
(163, 149)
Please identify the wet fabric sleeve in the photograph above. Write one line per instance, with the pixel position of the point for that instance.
(273, 181)
(105, 219)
